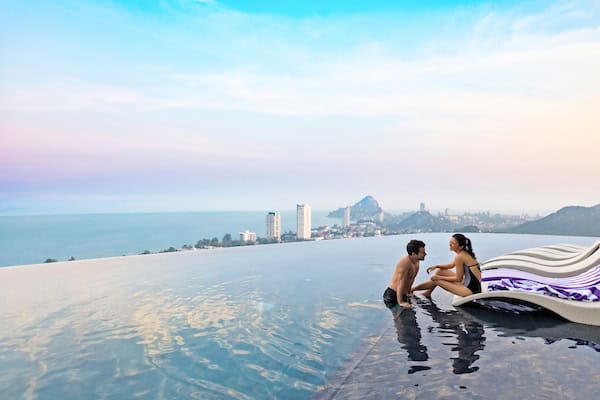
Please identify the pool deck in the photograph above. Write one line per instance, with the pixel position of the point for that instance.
(449, 353)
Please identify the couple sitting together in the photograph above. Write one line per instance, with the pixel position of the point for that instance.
(464, 281)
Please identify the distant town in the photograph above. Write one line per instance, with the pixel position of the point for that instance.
(367, 219)
(364, 219)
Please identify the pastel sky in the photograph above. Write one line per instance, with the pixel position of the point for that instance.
(240, 105)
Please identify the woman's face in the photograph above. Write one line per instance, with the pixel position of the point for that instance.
(454, 245)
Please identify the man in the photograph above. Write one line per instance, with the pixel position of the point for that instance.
(404, 275)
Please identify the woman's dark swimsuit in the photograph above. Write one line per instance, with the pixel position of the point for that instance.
(470, 281)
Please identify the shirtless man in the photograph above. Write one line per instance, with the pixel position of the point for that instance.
(404, 275)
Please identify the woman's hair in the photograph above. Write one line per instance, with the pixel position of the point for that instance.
(465, 243)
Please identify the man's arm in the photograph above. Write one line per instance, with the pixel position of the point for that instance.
(412, 280)
(402, 268)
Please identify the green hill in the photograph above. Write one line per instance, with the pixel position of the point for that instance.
(572, 220)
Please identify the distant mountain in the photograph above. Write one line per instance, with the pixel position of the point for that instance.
(423, 221)
(367, 208)
(572, 220)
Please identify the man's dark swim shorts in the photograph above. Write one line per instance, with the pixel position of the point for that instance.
(390, 298)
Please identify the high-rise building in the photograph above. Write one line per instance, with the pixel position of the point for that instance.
(303, 221)
(274, 225)
(346, 221)
(422, 207)
(247, 236)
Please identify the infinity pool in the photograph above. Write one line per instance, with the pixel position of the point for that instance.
(283, 321)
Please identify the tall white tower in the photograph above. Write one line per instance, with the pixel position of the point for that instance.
(346, 221)
(303, 221)
(274, 225)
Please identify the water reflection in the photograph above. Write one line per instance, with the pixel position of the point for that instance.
(535, 324)
(409, 333)
(469, 333)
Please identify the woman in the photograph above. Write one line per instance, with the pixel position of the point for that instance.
(467, 278)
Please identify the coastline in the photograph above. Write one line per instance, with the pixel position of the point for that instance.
(181, 250)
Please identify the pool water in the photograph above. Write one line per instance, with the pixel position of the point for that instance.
(289, 321)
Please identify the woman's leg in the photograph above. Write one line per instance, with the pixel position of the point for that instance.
(429, 285)
(455, 288)
(440, 275)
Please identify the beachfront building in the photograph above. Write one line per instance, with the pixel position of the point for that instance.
(274, 225)
(247, 236)
(303, 221)
(346, 221)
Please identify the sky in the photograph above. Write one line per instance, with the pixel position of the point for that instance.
(194, 105)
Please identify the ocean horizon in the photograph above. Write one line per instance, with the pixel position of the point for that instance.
(31, 239)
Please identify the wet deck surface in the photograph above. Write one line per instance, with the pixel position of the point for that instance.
(437, 352)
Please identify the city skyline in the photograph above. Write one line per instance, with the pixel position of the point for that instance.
(188, 105)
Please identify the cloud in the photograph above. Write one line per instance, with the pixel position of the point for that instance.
(66, 93)
(521, 80)
(206, 2)
(511, 92)
(490, 65)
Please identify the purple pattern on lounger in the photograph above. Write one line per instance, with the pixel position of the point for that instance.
(583, 287)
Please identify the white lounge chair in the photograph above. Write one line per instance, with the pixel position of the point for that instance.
(569, 288)
(556, 250)
(569, 248)
(556, 271)
(538, 257)
(571, 310)
(512, 260)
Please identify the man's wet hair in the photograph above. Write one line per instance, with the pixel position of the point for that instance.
(413, 246)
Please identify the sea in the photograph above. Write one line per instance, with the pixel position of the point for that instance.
(33, 239)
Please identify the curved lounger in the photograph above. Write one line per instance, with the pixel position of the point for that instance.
(571, 310)
(551, 251)
(569, 288)
(572, 248)
(542, 253)
(499, 262)
(548, 270)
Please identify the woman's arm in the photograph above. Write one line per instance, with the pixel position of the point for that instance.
(441, 266)
(460, 268)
